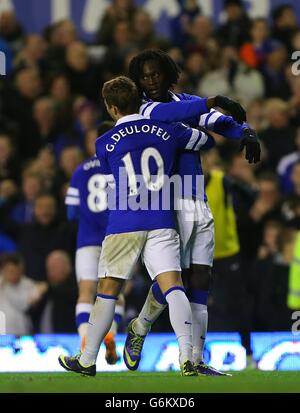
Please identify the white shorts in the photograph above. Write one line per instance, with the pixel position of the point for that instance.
(159, 249)
(196, 230)
(86, 263)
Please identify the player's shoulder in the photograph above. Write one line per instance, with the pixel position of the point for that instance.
(89, 164)
(181, 96)
(102, 138)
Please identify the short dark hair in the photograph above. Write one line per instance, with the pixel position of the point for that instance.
(11, 258)
(105, 127)
(278, 11)
(122, 93)
(166, 63)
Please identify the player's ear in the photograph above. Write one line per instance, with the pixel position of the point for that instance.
(114, 110)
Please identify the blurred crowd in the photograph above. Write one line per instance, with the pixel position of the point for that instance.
(50, 110)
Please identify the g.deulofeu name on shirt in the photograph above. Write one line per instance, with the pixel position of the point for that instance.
(134, 129)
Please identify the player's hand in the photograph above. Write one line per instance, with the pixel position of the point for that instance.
(234, 108)
(250, 141)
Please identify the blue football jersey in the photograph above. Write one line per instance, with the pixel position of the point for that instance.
(87, 192)
(189, 163)
(140, 154)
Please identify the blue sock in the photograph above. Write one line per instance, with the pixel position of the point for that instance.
(158, 295)
(197, 296)
(83, 311)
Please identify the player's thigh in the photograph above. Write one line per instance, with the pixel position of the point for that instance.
(203, 237)
(185, 216)
(161, 252)
(120, 253)
(86, 263)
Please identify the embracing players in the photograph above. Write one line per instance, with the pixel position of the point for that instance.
(155, 73)
(139, 149)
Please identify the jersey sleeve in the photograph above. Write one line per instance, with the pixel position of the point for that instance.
(223, 125)
(174, 111)
(73, 191)
(72, 199)
(192, 139)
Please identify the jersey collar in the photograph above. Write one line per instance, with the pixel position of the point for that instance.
(129, 118)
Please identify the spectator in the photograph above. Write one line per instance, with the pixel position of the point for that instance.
(227, 297)
(253, 53)
(180, 25)
(118, 10)
(270, 240)
(122, 44)
(89, 141)
(144, 34)
(84, 118)
(9, 164)
(83, 74)
(32, 53)
(201, 35)
(272, 311)
(11, 30)
(70, 158)
(59, 314)
(45, 166)
(37, 239)
(44, 115)
(284, 24)
(60, 36)
(279, 136)
(60, 93)
(232, 78)
(235, 31)
(255, 115)
(19, 104)
(273, 70)
(265, 207)
(18, 294)
(31, 187)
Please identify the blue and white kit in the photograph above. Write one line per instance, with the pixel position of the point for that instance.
(144, 148)
(194, 219)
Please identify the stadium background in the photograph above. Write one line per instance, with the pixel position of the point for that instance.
(58, 54)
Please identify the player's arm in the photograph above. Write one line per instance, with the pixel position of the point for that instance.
(72, 203)
(193, 107)
(72, 199)
(192, 139)
(226, 126)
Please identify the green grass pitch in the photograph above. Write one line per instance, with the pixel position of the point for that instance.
(139, 382)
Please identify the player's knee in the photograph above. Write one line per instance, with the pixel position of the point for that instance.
(168, 280)
(110, 286)
(200, 276)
